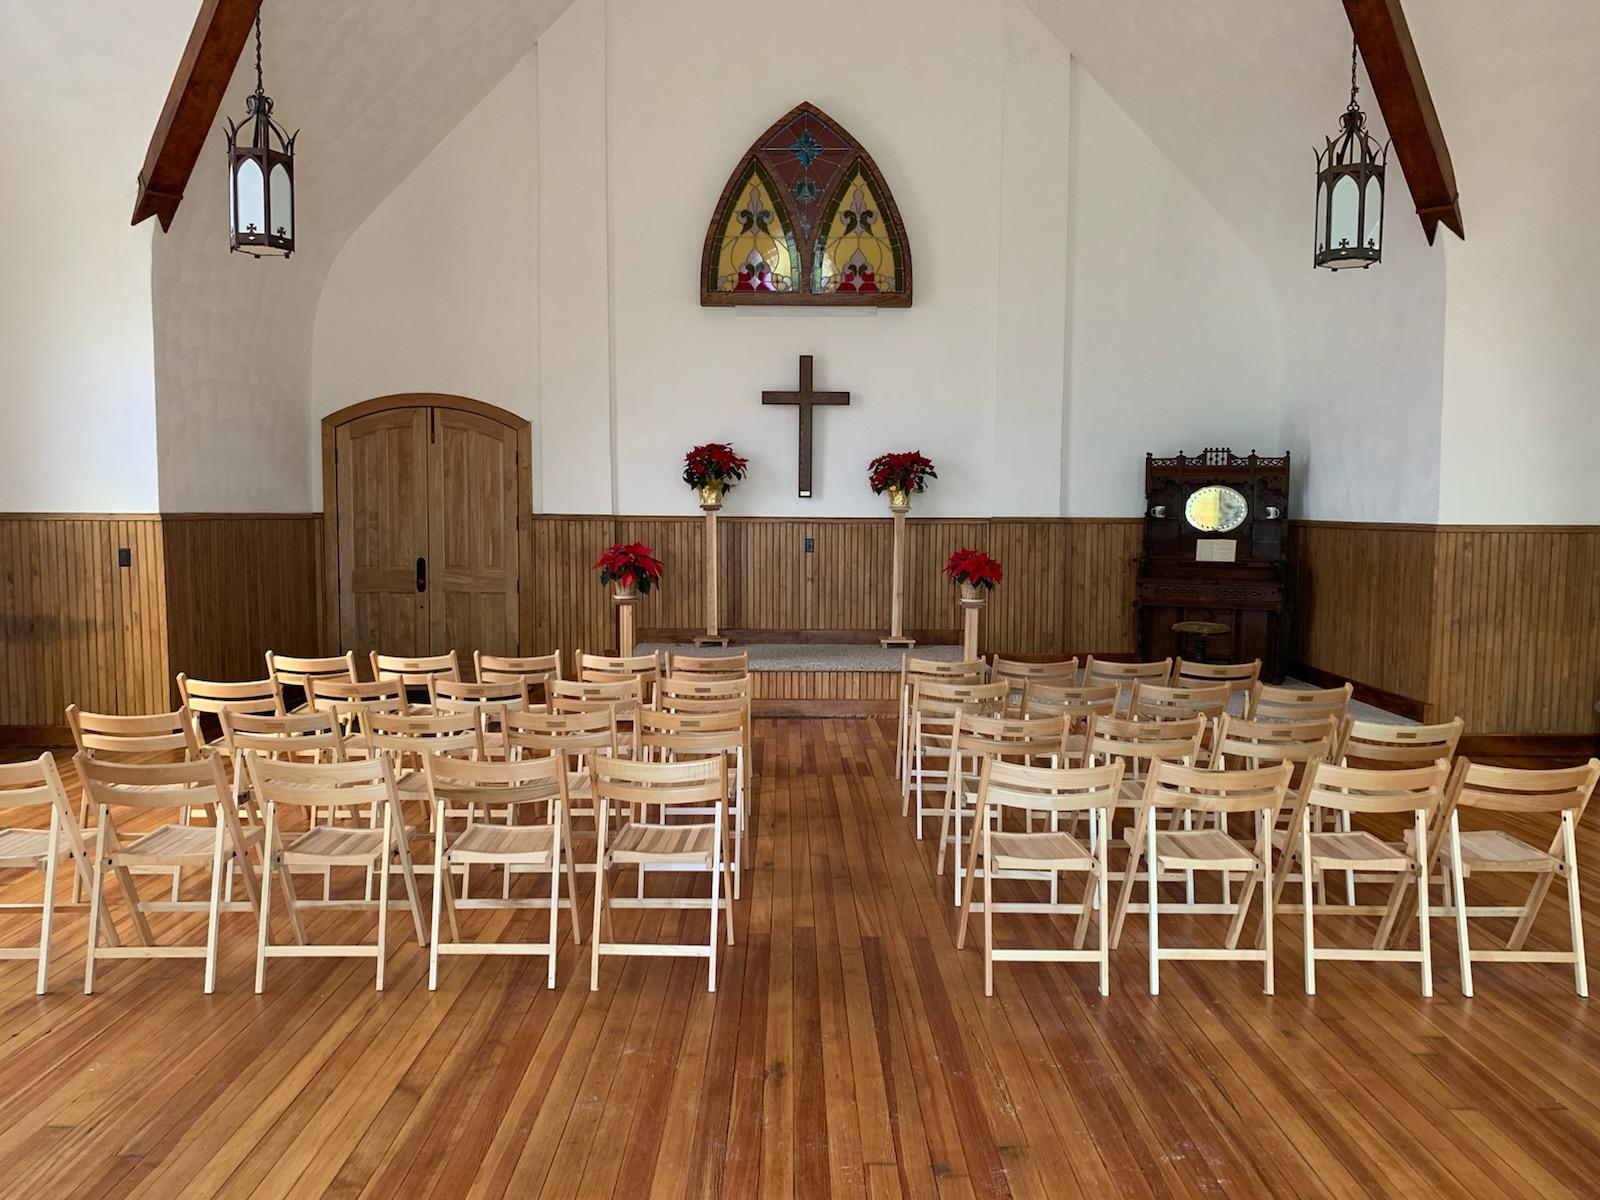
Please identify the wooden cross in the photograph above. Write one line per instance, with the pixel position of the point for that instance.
(805, 399)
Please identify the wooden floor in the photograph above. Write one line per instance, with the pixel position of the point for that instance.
(849, 1051)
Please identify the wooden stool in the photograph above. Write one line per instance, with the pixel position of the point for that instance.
(1200, 631)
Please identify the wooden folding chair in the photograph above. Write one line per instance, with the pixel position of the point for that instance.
(609, 668)
(1126, 675)
(1038, 741)
(534, 672)
(370, 848)
(414, 672)
(694, 693)
(1018, 673)
(1563, 792)
(504, 788)
(306, 736)
(1251, 745)
(572, 738)
(1058, 791)
(27, 785)
(623, 698)
(489, 702)
(298, 673)
(933, 670)
(1138, 745)
(1419, 792)
(1170, 787)
(680, 737)
(722, 666)
(630, 789)
(1390, 748)
(1240, 677)
(407, 740)
(205, 697)
(164, 737)
(1075, 703)
(1271, 703)
(347, 701)
(935, 709)
(151, 787)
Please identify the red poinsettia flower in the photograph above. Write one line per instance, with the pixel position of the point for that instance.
(630, 564)
(908, 469)
(973, 566)
(714, 462)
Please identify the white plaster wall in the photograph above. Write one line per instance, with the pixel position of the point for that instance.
(81, 84)
(622, 369)
(1175, 336)
(437, 290)
(1521, 367)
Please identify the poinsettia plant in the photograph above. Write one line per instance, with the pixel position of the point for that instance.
(714, 462)
(974, 567)
(908, 470)
(629, 565)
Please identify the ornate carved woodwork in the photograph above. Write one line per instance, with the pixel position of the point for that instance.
(1236, 574)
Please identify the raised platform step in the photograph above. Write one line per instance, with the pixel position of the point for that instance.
(810, 656)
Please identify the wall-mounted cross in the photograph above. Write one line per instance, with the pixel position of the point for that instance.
(805, 398)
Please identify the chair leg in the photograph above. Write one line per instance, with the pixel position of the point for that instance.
(1306, 887)
(1569, 843)
(1459, 886)
(96, 898)
(716, 889)
(1266, 931)
(966, 901)
(219, 866)
(439, 880)
(264, 919)
(598, 900)
(47, 910)
(572, 879)
(988, 915)
(1153, 874)
(554, 931)
(1103, 903)
(383, 894)
(1423, 911)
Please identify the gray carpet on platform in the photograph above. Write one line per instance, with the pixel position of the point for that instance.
(831, 656)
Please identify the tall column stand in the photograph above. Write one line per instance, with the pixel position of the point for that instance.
(712, 636)
(897, 639)
(972, 602)
(625, 602)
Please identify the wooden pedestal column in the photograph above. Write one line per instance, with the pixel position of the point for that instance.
(897, 640)
(970, 608)
(712, 636)
(625, 639)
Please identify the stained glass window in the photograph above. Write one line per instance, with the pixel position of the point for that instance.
(806, 218)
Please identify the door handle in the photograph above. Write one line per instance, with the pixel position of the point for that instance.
(422, 574)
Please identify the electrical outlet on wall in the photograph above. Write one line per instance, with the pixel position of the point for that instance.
(811, 545)
(124, 557)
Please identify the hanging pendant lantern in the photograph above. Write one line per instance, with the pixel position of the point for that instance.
(260, 176)
(1350, 191)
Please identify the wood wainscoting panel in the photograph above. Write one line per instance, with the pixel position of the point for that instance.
(1363, 601)
(1068, 588)
(238, 585)
(1516, 634)
(75, 627)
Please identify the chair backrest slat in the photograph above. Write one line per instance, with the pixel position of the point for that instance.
(494, 784)
(1269, 702)
(414, 672)
(1140, 743)
(1262, 789)
(1371, 744)
(1049, 789)
(1012, 737)
(1240, 677)
(698, 781)
(292, 736)
(535, 671)
(355, 783)
(1359, 790)
(180, 785)
(1524, 790)
(290, 671)
(1157, 702)
(724, 666)
(103, 735)
(572, 734)
(211, 696)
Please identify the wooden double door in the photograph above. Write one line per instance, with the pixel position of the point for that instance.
(426, 507)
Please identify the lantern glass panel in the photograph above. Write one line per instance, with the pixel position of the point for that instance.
(1346, 229)
(1322, 217)
(252, 214)
(1374, 214)
(282, 202)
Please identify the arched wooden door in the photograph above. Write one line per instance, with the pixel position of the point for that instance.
(423, 497)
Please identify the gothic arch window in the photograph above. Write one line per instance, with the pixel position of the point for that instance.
(806, 218)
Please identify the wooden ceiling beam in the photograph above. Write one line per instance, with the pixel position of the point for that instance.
(189, 116)
(1402, 94)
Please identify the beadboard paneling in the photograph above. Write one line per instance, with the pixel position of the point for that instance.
(239, 585)
(1068, 586)
(74, 626)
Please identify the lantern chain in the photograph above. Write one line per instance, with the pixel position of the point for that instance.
(260, 88)
(1353, 52)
